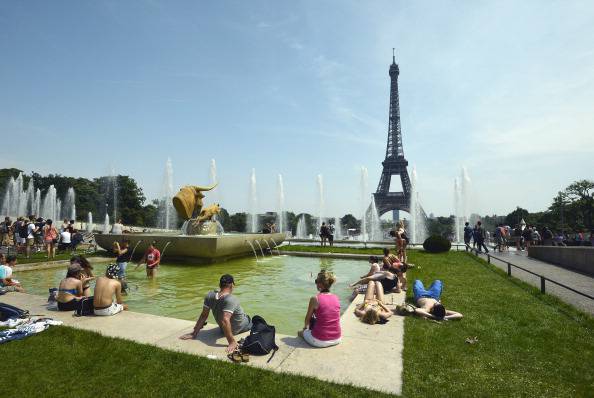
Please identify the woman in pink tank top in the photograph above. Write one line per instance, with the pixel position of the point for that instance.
(322, 321)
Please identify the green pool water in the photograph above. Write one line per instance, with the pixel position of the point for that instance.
(277, 288)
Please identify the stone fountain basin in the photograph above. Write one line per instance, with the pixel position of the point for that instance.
(204, 248)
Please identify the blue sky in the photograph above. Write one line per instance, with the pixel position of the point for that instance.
(301, 88)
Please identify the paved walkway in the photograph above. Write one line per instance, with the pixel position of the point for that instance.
(580, 282)
(354, 361)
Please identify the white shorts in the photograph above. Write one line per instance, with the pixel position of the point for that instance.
(307, 336)
(111, 310)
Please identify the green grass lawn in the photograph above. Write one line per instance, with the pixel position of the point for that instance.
(529, 345)
(66, 362)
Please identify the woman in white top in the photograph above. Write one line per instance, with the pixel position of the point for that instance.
(65, 241)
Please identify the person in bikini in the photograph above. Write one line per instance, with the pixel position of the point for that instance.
(70, 290)
(393, 263)
(373, 309)
(86, 273)
(428, 302)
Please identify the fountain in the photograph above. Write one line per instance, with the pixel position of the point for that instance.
(301, 232)
(281, 216)
(320, 184)
(418, 230)
(338, 232)
(19, 202)
(90, 222)
(69, 208)
(113, 178)
(202, 238)
(166, 217)
(216, 197)
(106, 224)
(252, 219)
(50, 207)
(375, 230)
(457, 211)
(464, 194)
(363, 186)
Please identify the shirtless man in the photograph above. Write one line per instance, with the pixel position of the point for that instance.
(105, 288)
(429, 304)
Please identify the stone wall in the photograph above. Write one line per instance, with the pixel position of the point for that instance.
(571, 257)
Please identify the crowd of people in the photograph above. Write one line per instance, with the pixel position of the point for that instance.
(522, 237)
(321, 327)
(35, 234)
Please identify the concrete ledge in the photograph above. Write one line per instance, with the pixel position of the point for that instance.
(575, 258)
(57, 264)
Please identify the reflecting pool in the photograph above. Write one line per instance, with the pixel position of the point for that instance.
(277, 288)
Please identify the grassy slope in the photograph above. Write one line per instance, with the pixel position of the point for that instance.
(529, 344)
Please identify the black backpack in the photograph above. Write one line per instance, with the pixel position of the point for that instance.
(7, 311)
(85, 307)
(261, 339)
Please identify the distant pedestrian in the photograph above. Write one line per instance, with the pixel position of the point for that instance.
(481, 235)
(5, 228)
(324, 233)
(547, 237)
(467, 235)
(331, 234)
(527, 235)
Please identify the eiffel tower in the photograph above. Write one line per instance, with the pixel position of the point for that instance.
(395, 164)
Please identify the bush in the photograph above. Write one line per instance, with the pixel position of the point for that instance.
(436, 244)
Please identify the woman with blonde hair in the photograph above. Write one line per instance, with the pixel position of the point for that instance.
(322, 320)
(373, 310)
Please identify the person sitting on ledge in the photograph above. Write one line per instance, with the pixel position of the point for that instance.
(322, 320)
(7, 284)
(373, 310)
(387, 277)
(230, 317)
(105, 288)
(70, 289)
(429, 304)
(393, 263)
(86, 273)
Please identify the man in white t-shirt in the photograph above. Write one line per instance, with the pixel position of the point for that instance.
(65, 240)
(118, 227)
(31, 230)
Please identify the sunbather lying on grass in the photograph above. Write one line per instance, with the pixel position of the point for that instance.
(429, 304)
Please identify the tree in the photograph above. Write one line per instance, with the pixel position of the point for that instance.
(442, 226)
(238, 222)
(581, 196)
(350, 222)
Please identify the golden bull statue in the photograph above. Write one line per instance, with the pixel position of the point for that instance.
(188, 201)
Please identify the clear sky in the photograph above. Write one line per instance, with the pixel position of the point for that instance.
(301, 88)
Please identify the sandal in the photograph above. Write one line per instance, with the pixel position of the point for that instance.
(245, 357)
(235, 356)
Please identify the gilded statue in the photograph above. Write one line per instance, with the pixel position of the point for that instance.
(188, 201)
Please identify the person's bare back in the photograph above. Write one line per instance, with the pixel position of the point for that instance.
(105, 289)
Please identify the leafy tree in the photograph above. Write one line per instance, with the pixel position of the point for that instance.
(238, 222)
(350, 222)
(442, 226)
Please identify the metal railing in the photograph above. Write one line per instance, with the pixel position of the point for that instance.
(543, 279)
